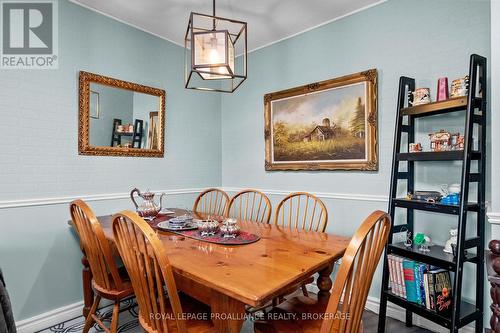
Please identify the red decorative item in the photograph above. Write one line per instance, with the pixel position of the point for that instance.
(442, 89)
(242, 238)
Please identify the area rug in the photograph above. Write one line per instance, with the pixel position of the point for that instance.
(128, 321)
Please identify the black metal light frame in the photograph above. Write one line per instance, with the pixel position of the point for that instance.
(231, 37)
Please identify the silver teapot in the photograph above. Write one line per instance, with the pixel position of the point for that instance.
(148, 209)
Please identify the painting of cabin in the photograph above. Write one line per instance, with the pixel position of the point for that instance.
(327, 125)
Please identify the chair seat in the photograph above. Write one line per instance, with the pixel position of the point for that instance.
(299, 314)
(115, 293)
(190, 308)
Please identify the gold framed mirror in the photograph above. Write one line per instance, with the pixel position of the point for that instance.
(120, 118)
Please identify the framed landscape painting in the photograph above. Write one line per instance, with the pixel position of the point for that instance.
(328, 125)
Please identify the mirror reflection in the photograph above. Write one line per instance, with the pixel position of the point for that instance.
(122, 118)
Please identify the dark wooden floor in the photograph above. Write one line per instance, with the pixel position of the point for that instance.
(370, 322)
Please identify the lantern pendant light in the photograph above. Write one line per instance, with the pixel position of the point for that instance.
(211, 47)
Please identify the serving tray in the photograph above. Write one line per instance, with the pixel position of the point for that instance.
(165, 225)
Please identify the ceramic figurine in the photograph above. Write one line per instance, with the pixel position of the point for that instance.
(421, 96)
(457, 141)
(453, 240)
(408, 241)
(423, 241)
(460, 87)
(415, 147)
(442, 90)
(440, 141)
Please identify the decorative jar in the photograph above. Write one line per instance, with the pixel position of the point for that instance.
(229, 228)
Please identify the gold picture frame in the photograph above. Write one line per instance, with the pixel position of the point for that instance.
(298, 135)
(84, 147)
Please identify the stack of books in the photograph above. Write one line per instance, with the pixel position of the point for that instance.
(420, 283)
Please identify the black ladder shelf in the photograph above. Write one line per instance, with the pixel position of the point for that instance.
(474, 104)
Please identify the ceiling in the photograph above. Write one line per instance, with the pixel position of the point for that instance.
(268, 20)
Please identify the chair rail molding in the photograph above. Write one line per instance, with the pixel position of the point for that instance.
(493, 217)
(323, 195)
(8, 204)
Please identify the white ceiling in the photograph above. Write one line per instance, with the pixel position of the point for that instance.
(268, 20)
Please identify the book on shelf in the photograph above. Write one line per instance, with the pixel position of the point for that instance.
(442, 291)
(410, 282)
(420, 283)
(426, 290)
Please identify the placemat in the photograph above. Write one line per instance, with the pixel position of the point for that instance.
(242, 238)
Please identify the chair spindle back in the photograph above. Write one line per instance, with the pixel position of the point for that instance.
(250, 205)
(149, 270)
(302, 210)
(210, 202)
(96, 247)
(352, 284)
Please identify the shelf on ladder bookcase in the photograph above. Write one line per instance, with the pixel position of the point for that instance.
(468, 311)
(436, 256)
(433, 207)
(435, 108)
(450, 155)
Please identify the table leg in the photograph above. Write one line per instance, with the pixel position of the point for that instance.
(88, 293)
(325, 283)
(228, 314)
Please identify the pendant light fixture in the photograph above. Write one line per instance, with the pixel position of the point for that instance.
(215, 53)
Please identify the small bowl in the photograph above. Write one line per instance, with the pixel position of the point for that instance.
(177, 221)
(208, 227)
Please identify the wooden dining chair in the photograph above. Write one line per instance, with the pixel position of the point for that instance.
(107, 280)
(342, 313)
(302, 210)
(250, 205)
(210, 202)
(150, 272)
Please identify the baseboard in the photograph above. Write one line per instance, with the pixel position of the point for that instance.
(50, 318)
(54, 317)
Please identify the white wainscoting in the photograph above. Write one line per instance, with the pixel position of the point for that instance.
(86, 197)
(7, 204)
(494, 217)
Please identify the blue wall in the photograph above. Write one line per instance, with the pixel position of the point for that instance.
(39, 158)
(424, 39)
(211, 139)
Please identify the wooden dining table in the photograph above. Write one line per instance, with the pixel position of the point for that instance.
(229, 278)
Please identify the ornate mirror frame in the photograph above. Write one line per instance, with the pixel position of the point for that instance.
(84, 147)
